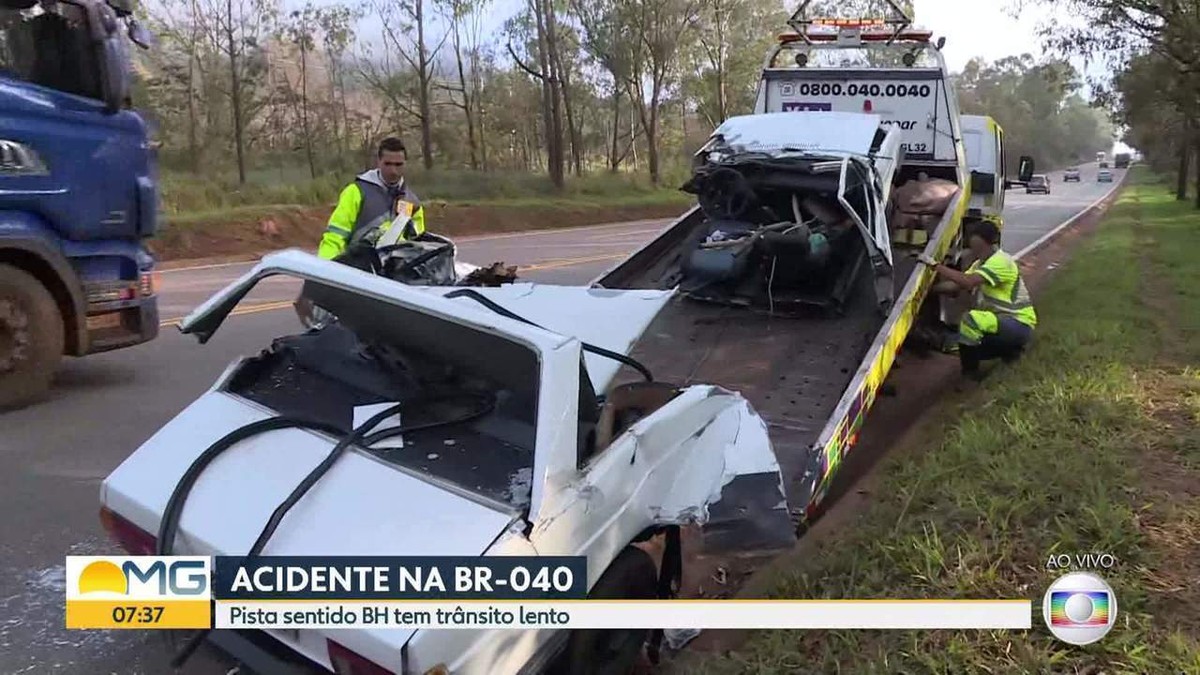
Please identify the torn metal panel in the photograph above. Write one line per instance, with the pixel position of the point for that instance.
(667, 468)
(730, 484)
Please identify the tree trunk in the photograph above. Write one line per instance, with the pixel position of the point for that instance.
(235, 93)
(614, 161)
(308, 146)
(424, 77)
(468, 104)
(1181, 176)
(551, 119)
(193, 138)
(1196, 153)
(722, 96)
(576, 138)
(556, 92)
(652, 146)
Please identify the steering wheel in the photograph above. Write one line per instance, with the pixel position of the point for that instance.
(727, 194)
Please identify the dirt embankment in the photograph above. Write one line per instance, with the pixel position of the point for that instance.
(252, 232)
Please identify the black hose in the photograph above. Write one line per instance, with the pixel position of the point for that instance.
(170, 521)
(599, 351)
(315, 475)
(487, 407)
(169, 524)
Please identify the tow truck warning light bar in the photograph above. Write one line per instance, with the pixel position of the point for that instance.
(849, 23)
(850, 30)
(905, 36)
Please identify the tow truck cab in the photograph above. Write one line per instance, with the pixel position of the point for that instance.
(888, 69)
(77, 190)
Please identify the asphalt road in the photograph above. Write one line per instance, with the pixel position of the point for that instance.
(56, 454)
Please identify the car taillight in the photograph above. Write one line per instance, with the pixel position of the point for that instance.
(346, 662)
(132, 538)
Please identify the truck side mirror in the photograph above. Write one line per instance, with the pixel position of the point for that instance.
(1025, 170)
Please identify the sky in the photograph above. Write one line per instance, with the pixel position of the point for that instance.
(972, 28)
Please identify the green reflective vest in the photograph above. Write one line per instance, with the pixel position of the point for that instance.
(365, 204)
(1003, 291)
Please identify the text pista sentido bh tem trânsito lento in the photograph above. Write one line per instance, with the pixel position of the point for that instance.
(350, 615)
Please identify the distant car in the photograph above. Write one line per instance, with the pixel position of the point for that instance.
(1071, 174)
(1105, 176)
(1103, 165)
(1038, 183)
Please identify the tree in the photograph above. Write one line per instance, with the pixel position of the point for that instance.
(406, 33)
(1038, 105)
(661, 26)
(298, 29)
(1121, 32)
(465, 18)
(236, 29)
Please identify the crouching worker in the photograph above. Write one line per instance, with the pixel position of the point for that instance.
(1002, 319)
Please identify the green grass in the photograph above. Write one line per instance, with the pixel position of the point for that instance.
(1065, 452)
(186, 194)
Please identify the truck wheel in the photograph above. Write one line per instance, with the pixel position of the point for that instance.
(31, 338)
(631, 576)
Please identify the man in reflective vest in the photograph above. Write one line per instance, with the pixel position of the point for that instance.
(1003, 319)
(368, 205)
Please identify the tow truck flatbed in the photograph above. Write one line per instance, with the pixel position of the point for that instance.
(811, 377)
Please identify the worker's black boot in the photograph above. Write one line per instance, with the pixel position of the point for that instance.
(969, 363)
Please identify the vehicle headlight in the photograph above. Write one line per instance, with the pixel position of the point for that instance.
(18, 159)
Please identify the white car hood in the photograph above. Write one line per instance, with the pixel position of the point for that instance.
(833, 133)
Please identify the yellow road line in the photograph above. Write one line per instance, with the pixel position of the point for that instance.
(245, 309)
(284, 304)
(567, 262)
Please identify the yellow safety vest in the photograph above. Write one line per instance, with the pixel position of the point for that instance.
(1004, 291)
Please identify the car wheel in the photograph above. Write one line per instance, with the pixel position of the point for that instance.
(631, 576)
(31, 338)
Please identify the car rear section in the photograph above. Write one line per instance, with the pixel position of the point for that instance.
(481, 411)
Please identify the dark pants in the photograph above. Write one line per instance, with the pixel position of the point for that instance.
(1006, 343)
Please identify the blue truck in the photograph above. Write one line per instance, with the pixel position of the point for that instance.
(78, 191)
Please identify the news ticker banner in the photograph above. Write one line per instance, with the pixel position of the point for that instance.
(148, 592)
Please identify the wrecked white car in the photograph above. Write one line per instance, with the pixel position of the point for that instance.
(515, 442)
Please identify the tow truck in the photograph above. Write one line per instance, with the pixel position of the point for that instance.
(77, 191)
(851, 115)
(714, 381)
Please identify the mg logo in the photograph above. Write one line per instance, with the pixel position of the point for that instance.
(141, 576)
